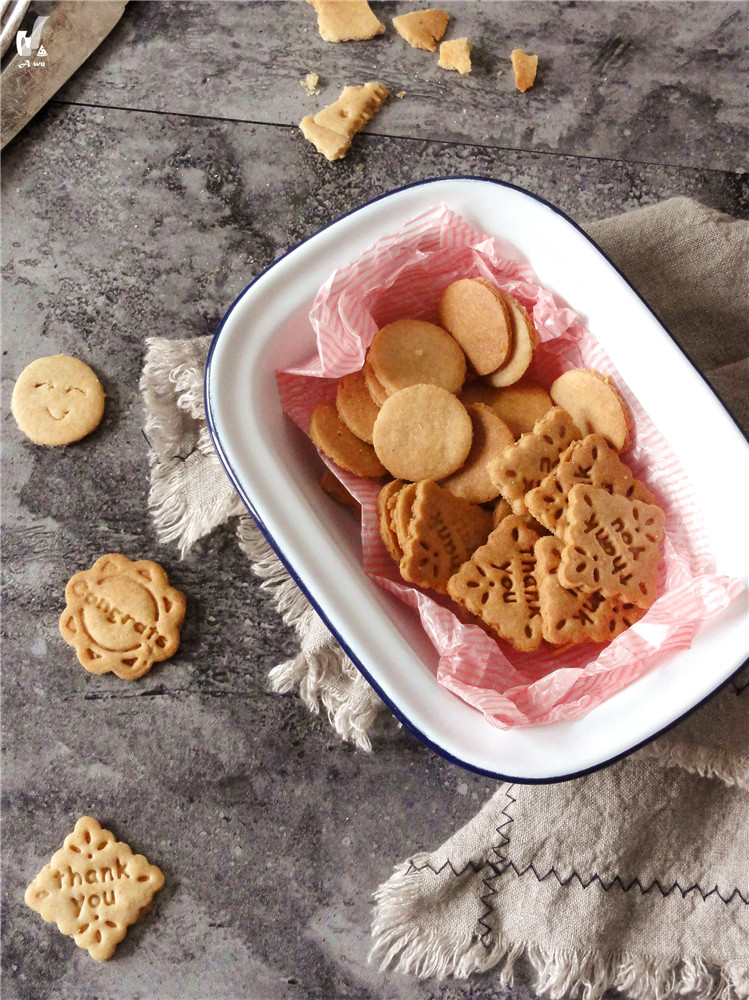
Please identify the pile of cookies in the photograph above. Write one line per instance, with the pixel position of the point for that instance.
(508, 498)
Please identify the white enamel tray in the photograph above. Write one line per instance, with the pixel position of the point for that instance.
(276, 471)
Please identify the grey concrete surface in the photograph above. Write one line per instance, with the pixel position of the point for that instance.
(139, 202)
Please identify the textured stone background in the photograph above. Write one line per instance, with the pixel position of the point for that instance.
(139, 202)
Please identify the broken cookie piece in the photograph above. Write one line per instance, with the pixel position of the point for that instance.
(346, 20)
(332, 129)
(422, 29)
(524, 67)
(456, 54)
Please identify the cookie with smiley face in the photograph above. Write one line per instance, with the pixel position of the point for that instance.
(57, 400)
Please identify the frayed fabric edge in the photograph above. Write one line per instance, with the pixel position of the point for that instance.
(410, 947)
(708, 762)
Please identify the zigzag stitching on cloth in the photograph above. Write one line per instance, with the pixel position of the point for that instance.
(499, 869)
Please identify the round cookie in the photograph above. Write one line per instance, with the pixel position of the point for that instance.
(422, 432)
(413, 352)
(521, 405)
(594, 404)
(376, 389)
(490, 436)
(476, 315)
(57, 400)
(524, 341)
(355, 405)
(334, 439)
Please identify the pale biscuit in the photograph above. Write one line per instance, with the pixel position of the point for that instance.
(524, 66)
(122, 616)
(94, 888)
(355, 405)
(422, 432)
(612, 544)
(442, 533)
(456, 54)
(476, 315)
(491, 436)
(334, 439)
(333, 128)
(422, 29)
(524, 342)
(346, 20)
(413, 352)
(333, 486)
(523, 465)
(498, 584)
(594, 403)
(573, 616)
(520, 405)
(591, 462)
(57, 400)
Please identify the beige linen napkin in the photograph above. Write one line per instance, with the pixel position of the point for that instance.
(633, 878)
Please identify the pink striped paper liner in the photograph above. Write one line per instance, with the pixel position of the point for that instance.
(402, 275)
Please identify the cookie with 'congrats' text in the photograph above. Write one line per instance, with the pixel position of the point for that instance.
(122, 616)
(94, 888)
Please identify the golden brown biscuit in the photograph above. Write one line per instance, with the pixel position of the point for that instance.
(422, 29)
(334, 439)
(346, 20)
(523, 465)
(57, 400)
(498, 584)
(456, 54)
(94, 888)
(475, 314)
(122, 616)
(520, 405)
(524, 342)
(387, 532)
(491, 436)
(422, 432)
(413, 352)
(524, 66)
(333, 486)
(333, 128)
(355, 405)
(377, 390)
(594, 403)
(443, 531)
(612, 544)
(590, 462)
(573, 616)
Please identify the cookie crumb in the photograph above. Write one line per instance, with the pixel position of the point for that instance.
(525, 67)
(332, 129)
(422, 29)
(456, 54)
(346, 20)
(310, 83)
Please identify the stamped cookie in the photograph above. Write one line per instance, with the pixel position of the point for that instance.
(573, 616)
(355, 405)
(422, 29)
(122, 616)
(594, 403)
(334, 439)
(442, 533)
(591, 462)
(524, 67)
(333, 128)
(491, 436)
(456, 54)
(476, 315)
(346, 20)
(422, 432)
(498, 583)
(524, 342)
(612, 544)
(413, 352)
(387, 532)
(57, 400)
(94, 888)
(523, 465)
